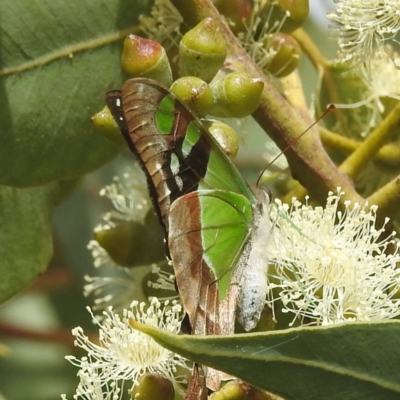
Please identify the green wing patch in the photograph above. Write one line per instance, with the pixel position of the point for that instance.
(210, 228)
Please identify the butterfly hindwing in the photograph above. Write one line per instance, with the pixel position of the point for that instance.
(208, 230)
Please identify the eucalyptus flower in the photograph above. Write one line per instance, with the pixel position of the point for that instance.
(117, 289)
(334, 266)
(115, 285)
(382, 83)
(164, 281)
(123, 354)
(385, 78)
(257, 35)
(163, 24)
(363, 30)
(129, 196)
(91, 388)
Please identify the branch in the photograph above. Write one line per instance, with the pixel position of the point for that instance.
(372, 144)
(307, 158)
(389, 154)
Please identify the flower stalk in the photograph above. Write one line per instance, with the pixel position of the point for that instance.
(372, 144)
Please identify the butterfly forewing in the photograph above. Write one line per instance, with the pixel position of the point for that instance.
(175, 151)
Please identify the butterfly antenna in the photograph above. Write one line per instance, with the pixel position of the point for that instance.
(330, 108)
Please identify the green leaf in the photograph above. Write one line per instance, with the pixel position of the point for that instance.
(352, 361)
(25, 234)
(57, 60)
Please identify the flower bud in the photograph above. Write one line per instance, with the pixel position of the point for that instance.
(287, 55)
(202, 51)
(153, 387)
(235, 11)
(105, 123)
(239, 390)
(293, 13)
(224, 135)
(237, 95)
(195, 93)
(132, 244)
(146, 58)
(232, 390)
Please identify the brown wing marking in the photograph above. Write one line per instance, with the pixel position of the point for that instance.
(196, 281)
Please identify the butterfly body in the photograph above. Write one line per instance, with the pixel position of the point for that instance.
(206, 208)
(254, 281)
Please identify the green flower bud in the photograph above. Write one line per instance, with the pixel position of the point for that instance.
(153, 387)
(146, 58)
(232, 390)
(202, 51)
(239, 390)
(224, 135)
(132, 244)
(287, 55)
(105, 123)
(293, 12)
(237, 95)
(236, 11)
(195, 93)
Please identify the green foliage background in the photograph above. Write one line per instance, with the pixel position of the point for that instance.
(57, 60)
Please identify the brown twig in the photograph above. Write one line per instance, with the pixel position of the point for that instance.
(308, 160)
(63, 337)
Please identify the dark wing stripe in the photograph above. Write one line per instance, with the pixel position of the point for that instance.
(141, 99)
(114, 103)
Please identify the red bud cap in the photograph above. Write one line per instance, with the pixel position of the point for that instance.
(236, 11)
(288, 14)
(147, 58)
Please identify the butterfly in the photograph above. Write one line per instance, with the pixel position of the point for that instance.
(216, 228)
